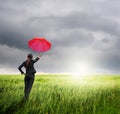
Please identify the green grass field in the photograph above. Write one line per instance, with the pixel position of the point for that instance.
(61, 94)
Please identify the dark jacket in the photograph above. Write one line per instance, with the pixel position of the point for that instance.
(29, 68)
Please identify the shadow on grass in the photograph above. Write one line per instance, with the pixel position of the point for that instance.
(14, 107)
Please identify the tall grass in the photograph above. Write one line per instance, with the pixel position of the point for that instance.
(61, 94)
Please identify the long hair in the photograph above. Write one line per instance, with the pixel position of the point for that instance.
(30, 56)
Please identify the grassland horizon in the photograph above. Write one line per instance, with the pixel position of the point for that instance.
(61, 94)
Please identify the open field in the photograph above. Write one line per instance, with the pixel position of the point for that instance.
(61, 94)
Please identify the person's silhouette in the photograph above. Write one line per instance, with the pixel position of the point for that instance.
(30, 73)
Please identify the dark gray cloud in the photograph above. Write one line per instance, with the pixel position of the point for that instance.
(80, 31)
(108, 60)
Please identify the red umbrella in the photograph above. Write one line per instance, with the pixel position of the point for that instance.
(39, 44)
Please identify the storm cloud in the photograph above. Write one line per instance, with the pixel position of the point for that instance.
(81, 32)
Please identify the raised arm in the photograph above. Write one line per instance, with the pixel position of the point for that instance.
(37, 58)
(20, 68)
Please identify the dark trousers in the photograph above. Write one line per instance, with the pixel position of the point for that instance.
(29, 79)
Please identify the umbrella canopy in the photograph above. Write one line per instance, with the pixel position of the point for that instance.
(39, 44)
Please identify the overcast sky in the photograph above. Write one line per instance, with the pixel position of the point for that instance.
(85, 34)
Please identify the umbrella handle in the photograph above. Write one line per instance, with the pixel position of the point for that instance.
(39, 54)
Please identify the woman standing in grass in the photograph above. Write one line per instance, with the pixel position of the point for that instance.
(30, 73)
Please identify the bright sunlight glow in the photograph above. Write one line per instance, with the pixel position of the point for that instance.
(81, 70)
